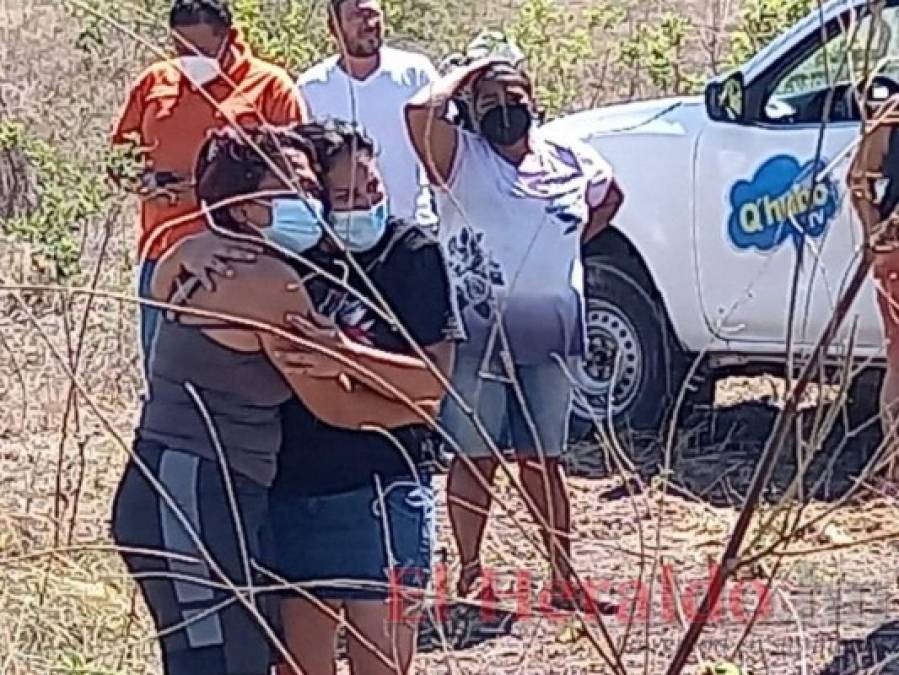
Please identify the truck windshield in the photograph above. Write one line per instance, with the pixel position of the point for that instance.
(847, 57)
(821, 82)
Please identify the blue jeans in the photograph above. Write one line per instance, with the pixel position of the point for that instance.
(348, 536)
(547, 406)
(149, 316)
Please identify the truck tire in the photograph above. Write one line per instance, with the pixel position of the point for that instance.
(629, 352)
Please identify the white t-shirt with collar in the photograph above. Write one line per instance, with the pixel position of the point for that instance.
(512, 240)
(378, 104)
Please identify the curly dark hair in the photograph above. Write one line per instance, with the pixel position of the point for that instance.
(233, 163)
(330, 138)
(192, 12)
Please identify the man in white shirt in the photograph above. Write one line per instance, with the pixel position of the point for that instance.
(369, 83)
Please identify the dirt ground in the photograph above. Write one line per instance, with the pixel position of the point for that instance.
(66, 606)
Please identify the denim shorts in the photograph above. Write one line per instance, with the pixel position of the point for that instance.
(545, 392)
(348, 537)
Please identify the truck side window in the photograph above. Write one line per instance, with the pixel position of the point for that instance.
(804, 91)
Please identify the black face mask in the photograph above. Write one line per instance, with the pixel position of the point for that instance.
(506, 125)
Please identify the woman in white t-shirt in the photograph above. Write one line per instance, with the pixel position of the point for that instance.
(515, 208)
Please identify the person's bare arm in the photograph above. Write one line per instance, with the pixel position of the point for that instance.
(204, 255)
(266, 292)
(415, 378)
(601, 216)
(168, 267)
(435, 140)
(442, 355)
(370, 397)
(411, 375)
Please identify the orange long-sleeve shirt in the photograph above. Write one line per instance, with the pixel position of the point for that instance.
(170, 118)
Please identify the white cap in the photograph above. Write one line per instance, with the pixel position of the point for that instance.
(491, 43)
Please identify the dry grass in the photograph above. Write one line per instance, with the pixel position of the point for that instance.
(74, 610)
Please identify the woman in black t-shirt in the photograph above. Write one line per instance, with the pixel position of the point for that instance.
(353, 511)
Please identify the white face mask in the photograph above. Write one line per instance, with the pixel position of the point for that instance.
(361, 230)
(200, 70)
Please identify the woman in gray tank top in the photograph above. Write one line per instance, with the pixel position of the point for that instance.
(191, 512)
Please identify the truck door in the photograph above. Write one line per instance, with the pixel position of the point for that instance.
(772, 207)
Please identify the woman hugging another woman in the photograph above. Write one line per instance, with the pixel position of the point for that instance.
(206, 492)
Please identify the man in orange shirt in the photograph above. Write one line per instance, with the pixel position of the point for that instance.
(215, 81)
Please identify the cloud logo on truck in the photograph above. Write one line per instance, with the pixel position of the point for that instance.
(782, 201)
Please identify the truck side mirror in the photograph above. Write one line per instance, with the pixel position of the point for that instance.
(724, 98)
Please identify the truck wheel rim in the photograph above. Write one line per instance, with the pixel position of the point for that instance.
(614, 362)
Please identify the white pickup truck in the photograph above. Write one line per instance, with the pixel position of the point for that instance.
(731, 198)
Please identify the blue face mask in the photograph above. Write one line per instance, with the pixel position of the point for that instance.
(361, 230)
(296, 223)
